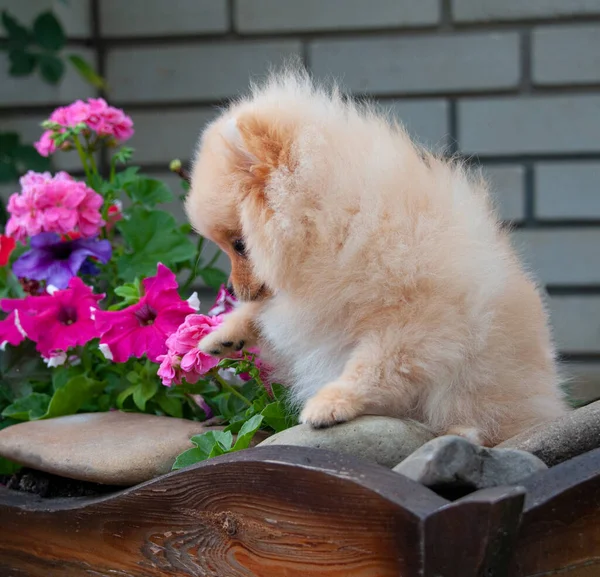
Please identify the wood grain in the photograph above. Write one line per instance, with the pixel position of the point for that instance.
(560, 530)
(292, 511)
(272, 511)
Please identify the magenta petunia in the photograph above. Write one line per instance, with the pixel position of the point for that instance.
(107, 121)
(143, 328)
(58, 321)
(57, 204)
(11, 331)
(224, 303)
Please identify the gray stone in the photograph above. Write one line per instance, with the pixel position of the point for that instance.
(507, 186)
(574, 434)
(567, 190)
(576, 323)
(380, 439)
(390, 65)
(252, 16)
(566, 55)
(160, 18)
(527, 125)
(452, 461)
(489, 10)
(192, 71)
(113, 448)
(426, 119)
(561, 256)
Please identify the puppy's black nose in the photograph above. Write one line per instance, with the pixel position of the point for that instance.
(230, 288)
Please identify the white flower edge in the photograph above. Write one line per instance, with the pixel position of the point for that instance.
(56, 360)
(194, 301)
(105, 350)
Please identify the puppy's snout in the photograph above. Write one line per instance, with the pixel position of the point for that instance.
(230, 288)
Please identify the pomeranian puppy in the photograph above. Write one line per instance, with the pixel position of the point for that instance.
(373, 274)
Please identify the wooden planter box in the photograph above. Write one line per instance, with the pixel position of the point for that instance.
(295, 512)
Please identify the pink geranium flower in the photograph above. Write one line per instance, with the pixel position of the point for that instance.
(184, 359)
(58, 321)
(53, 204)
(105, 120)
(144, 327)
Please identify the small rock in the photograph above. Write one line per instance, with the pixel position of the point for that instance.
(380, 439)
(455, 462)
(112, 448)
(562, 439)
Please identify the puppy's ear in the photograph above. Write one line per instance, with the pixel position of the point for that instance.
(258, 145)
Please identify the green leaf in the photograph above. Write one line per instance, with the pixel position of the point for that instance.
(125, 177)
(124, 395)
(247, 432)
(48, 32)
(8, 467)
(22, 364)
(216, 451)
(147, 247)
(208, 439)
(8, 142)
(123, 156)
(28, 158)
(86, 71)
(18, 35)
(275, 416)
(148, 191)
(279, 391)
(213, 277)
(144, 392)
(189, 457)
(21, 63)
(172, 406)
(51, 68)
(68, 399)
(28, 408)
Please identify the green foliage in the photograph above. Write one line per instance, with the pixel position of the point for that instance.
(245, 410)
(40, 47)
(145, 247)
(16, 158)
(215, 443)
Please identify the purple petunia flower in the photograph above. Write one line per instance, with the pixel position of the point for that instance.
(57, 262)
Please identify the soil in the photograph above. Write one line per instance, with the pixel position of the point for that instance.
(49, 486)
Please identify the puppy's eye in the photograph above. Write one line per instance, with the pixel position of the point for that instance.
(239, 246)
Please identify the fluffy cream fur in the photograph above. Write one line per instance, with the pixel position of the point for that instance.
(376, 275)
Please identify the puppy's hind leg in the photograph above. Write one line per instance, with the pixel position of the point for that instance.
(369, 384)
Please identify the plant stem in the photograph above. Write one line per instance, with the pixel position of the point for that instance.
(214, 259)
(91, 156)
(227, 387)
(81, 153)
(192, 276)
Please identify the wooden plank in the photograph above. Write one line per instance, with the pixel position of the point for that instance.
(272, 511)
(560, 530)
(474, 536)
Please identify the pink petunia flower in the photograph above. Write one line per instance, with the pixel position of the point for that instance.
(184, 359)
(53, 204)
(11, 331)
(105, 120)
(144, 327)
(58, 321)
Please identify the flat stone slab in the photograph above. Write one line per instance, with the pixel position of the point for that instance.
(377, 439)
(113, 448)
(455, 462)
(573, 434)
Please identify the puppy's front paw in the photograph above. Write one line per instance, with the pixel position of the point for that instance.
(331, 405)
(221, 343)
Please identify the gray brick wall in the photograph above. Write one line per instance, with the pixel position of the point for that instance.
(513, 85)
